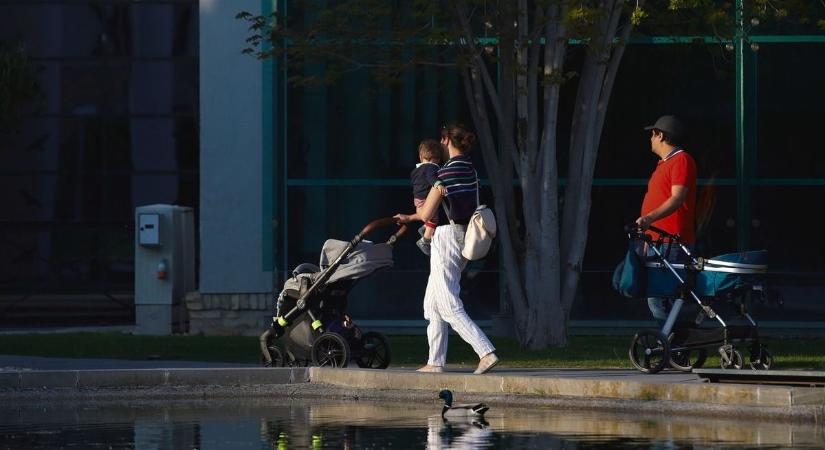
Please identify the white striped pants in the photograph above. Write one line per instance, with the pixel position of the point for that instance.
(442, 305)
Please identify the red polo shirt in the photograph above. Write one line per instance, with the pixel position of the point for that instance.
(678, 169)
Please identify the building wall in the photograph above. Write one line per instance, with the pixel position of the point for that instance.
(231, 131)
(116, 129)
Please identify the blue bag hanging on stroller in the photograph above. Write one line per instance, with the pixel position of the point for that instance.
(630, 275)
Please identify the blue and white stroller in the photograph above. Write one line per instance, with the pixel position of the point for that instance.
(724, 285)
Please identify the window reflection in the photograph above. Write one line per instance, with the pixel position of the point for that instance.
(790, 95)
(701, 92)
(358, 129)
(122, 29)
(118, 129)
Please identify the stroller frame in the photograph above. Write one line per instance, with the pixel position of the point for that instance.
(684, 347)
(328, 348)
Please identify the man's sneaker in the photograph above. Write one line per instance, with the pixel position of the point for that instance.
(424, 245)
(487, 362)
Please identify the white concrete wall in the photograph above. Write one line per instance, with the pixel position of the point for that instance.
(231, 153)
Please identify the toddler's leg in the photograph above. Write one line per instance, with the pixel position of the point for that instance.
(425, 232)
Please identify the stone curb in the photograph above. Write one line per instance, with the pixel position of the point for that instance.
(131, 378)
(692, 393)
(740, 395)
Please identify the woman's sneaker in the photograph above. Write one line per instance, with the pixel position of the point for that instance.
(487, 362)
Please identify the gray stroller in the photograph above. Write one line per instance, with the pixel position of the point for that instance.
(310, 323)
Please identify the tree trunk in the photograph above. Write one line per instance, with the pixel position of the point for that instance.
(596, 85)
(542, 266)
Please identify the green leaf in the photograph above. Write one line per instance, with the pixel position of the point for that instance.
(637, 16)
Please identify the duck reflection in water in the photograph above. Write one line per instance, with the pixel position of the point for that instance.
(457, 433)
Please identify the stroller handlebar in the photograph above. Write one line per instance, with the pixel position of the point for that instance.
(380, 223)
(633, 228)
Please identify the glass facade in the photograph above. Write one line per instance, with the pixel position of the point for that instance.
(117, 129)
(789, 95)
(350, 147)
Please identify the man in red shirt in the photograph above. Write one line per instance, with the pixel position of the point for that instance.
(670, 201)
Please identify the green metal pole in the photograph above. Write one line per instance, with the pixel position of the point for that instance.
(742, 187)
(751, 144)
(284, 216)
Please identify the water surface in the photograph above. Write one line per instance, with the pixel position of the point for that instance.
(286, 424)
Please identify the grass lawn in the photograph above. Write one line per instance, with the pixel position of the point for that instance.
(407, 351)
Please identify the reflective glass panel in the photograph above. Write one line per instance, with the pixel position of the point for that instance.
(790, 94)
(116, 29)
(358, 128)
(694, 82)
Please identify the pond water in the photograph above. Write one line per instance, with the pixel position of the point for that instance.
(291, 424)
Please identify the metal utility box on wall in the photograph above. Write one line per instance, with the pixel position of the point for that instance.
(164, 267)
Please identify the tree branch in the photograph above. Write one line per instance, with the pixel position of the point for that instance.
(461, 13)
(533, 97)
(554, 52)
(474, 92)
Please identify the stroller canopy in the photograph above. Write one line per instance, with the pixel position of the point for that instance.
(366, 258)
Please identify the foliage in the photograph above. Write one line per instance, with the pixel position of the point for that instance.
(19, 87)
(351, 36)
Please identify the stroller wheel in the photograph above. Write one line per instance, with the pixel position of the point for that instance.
(730, 357)
(275, 355)
(687, 360)
(330, 349)
(765, 361)
(375, 353)
(290, 360)
(649, 351)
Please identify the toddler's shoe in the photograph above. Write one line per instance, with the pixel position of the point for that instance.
(424, 245)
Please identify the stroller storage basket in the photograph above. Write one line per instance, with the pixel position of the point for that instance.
(710, 277)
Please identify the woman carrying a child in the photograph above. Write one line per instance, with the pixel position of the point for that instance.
(456, 184)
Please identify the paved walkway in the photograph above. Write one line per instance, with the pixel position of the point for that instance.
(17, 363)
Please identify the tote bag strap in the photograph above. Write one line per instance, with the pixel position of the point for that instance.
(478, 190)
(446, 210)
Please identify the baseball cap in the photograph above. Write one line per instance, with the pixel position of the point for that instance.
(670, 125)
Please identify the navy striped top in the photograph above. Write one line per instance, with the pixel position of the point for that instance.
(459, 177)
